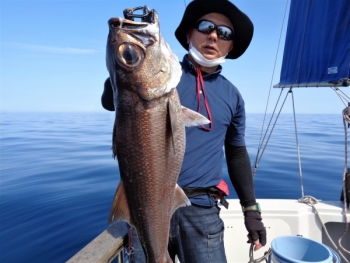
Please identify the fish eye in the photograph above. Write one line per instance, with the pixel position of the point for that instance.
(130, 56)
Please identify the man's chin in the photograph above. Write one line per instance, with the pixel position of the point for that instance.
(210, 56)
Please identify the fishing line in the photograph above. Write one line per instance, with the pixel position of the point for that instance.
(185, 3)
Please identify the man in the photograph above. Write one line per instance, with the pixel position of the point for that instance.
(211, 31)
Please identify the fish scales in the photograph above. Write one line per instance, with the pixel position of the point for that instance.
(149, 167)
(149, 131)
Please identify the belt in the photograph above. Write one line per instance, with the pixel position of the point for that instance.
(210, 191)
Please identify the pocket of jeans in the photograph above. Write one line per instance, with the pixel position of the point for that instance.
(216, 237)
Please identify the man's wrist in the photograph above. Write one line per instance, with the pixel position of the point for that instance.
(255, 207)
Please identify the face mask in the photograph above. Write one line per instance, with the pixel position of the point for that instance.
(198, 57)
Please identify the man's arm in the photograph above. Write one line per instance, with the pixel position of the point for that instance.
(238, 164)
(239, 169)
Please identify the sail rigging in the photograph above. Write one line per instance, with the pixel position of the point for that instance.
(316, 54)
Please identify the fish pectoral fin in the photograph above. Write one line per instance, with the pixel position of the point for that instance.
(120, 209)
(180, 198)
(172, 115)
(173, 120)
(192, 118)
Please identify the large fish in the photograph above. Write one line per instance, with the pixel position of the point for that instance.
(149, 130)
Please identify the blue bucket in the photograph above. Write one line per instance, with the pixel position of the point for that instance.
(295, 249)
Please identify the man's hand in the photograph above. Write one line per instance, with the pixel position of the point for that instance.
(256, 229)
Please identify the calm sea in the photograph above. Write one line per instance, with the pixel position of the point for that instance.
(58, 176)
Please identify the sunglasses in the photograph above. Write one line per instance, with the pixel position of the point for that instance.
(223, 32)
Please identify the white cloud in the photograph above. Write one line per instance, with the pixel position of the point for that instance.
(54, 50)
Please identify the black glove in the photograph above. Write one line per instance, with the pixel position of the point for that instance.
(256, 229)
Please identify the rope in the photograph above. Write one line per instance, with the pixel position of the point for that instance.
(268, 97)
(130, 250)
(342, 96)
(264, 257)
(298, 149)
(346, 118)
(258, 155)
(309, 200)
(200, 90)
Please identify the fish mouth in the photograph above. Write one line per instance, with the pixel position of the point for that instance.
(146, 32)
(120, 23)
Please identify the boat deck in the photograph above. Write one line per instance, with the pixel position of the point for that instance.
(280, 217)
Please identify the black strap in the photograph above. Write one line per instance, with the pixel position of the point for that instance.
(210, 191)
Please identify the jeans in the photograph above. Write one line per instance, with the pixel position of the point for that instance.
(196, 236)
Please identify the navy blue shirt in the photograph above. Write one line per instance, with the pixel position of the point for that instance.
(202, 165)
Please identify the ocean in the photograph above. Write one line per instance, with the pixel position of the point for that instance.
(58, 176)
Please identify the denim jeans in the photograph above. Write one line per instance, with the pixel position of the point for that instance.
(196, 236)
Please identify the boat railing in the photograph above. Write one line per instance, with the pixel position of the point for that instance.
(106, 247)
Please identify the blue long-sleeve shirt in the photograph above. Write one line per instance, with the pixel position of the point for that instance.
(202, 165)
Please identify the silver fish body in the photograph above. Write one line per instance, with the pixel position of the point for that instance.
(149, 131)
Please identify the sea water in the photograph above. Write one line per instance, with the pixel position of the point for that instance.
(58, 176)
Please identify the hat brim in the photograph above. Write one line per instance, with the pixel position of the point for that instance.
(243, 26)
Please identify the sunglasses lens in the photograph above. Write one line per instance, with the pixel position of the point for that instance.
(207, 27)
(225, 33)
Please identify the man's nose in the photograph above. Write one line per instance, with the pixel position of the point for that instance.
(213, 35)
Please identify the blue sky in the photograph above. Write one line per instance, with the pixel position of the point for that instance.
(53, 54)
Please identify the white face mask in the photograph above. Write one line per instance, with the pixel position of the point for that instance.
(198, 57)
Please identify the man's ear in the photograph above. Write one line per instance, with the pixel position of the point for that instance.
(188, 35)
(231, 47)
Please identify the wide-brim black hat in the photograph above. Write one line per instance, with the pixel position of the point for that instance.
(243, 26)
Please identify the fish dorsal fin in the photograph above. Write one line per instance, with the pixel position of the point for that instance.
(180, 199)
(120, 209)
(192, 118)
